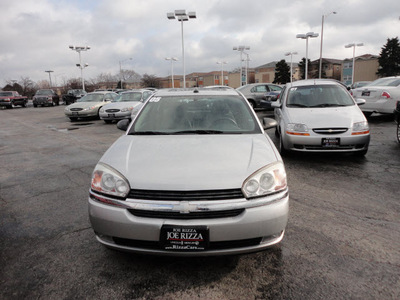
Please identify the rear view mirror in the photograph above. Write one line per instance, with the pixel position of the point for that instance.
(123, 124)
(360, 101)
(269, 123)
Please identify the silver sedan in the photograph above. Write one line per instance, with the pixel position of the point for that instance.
(320, 116)
(195, 174)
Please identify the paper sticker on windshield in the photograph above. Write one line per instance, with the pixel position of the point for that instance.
(155, 99)
(293, 89)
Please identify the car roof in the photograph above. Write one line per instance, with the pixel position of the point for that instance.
(195, 91)
(102, 92)
(315, 82)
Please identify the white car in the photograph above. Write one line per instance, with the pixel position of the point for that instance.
(194, 175)
(320, 115)
(380, 95)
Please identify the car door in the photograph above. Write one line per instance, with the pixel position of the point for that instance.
(258, 92)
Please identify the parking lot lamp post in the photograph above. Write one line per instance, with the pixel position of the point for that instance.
(291, 63)
(49, 71)
(182, 16)
(241, 50)
(322, 37)
(120, 69)
(79, 49)
(354, 45)
(306, 37)
(222, 63)
(172, 59)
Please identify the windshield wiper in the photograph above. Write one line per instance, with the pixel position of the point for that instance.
(327, 105)
(297, 105)
(149, 133)
(198, 132)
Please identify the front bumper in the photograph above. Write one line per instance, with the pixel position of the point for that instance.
(81, 114)
(115, 116)
(260, 224)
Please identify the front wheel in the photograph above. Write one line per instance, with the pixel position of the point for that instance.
(398, 131)
(282, 149)
(73, 119)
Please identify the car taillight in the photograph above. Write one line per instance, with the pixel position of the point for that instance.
(385, 95)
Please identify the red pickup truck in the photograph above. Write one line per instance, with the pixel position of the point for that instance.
(11, 99)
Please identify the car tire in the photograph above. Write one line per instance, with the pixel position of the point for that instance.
(24, 104)
(34, 105)
(367, 114)
(73, 119)
(398, 131)
(282, 149)
(107, 121)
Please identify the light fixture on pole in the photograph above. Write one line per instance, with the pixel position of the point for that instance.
(322, 37)
(354, 45)
(243, 79)
(79, 49)
(222, 63)
(120, 70)
(182, 16)
(172, 59)
(49, 71)
(291, 63)
(306, 37)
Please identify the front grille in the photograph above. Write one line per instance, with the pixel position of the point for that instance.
(330, 130)
(114, 110)
(186, 195)
(315, 147)
(76, 109)
(187, 216)
(212, 246)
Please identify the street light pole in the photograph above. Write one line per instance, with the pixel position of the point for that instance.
(322, 37)
(79, 49)
(241, 50)
(172, 59)
(49, 71)
(306, 37)
(181, 17)
(291, 63)
(120, 69)
(354, 45)
(222, 63)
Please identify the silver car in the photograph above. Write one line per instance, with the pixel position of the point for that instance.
(195, 174)
(380, 95)
(89, 105)
(255, 92)
(122, 106)
(320, 116)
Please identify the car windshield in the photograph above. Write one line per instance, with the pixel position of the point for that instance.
(195, 114)
(76, 92)
(92, 98)
(129, 97)
(318, 96)
(44, 92)
(386, 82)
(6, 94)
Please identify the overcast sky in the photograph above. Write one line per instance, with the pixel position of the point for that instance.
(35, 34)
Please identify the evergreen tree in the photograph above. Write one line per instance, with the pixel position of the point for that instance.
(302, 67)
(389, 59)
(282, 72)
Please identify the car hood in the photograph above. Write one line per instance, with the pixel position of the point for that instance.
(326, 116)
(85, 104)
(120, 105)
(189, 162)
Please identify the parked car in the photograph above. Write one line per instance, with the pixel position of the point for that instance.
(380, 95)
(45, 97)
(10, 99)
(397, 119)
(320, 116)
(72, 96)
(195, 174)
(255, 92)
(89, 105)
(122, 106)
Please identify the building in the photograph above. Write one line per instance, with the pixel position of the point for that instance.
(331, 68)
(365, 68)
(266, 73)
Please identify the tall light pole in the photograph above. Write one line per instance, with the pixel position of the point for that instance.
(222, 63)
(291, 63)
(241, 50)
(182, 16)
(306, 37)
(49, 71)
(120, 69)
(79, 49)
(322, 37)
(354, 45)
(172, 59)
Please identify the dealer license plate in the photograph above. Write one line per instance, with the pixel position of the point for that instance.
(184, 238)
(74, 113)
(330, 142)
(365, 93)
(111, 115)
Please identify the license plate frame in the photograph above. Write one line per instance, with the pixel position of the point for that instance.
(75, 114)
(365, 93)
(330, 142)
(184, 238)
(111, 115)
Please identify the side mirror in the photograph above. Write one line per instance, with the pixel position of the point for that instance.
(123, 124)
(360, 101)
(269, 123)
(108, 100)
(276, 104)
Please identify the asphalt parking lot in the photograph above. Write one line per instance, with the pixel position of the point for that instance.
(342, 239)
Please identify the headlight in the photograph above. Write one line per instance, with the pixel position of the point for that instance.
(297, 129)
(102, 110)
(126, 109)
(267, 180)
(360, 128)
(89, 108)
(107, 180)
(66, 109)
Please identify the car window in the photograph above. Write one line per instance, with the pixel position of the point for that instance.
(131, 96)
(259, 89)
(6, 94)
(195, 115)
(91, 98)
(318, 96)
(275, 88)
(386, 82)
